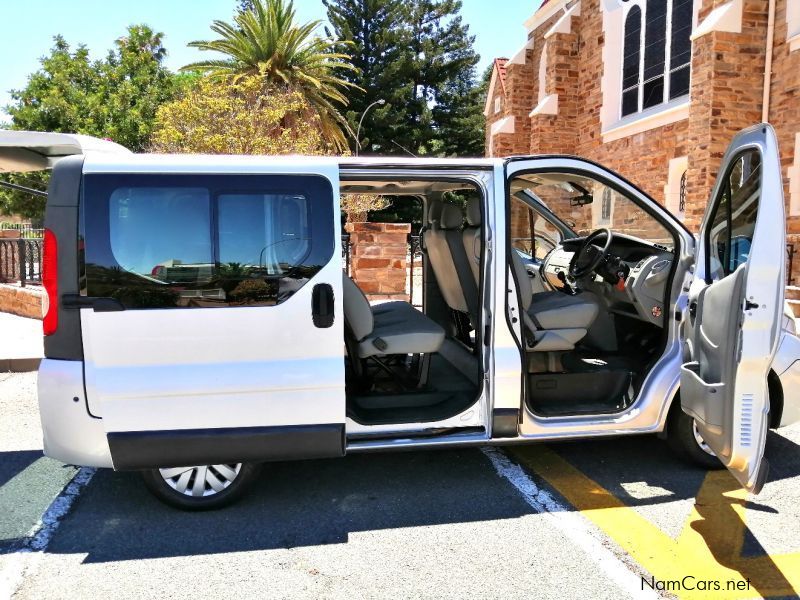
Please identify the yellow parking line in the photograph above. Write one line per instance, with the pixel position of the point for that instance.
(707, 550)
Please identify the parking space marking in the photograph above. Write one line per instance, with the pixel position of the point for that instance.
(567, 522)
(709, 547)
(37, 539)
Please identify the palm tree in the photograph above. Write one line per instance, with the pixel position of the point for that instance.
(265, 41)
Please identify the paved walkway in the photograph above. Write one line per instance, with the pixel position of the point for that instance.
(21, 346)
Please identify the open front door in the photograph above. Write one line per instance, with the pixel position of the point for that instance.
(735, 306)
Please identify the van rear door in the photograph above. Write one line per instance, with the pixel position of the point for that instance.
(211, 312)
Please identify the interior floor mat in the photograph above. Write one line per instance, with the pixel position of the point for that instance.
(447, 393)
(587, 393)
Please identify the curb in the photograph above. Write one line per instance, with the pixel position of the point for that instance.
(19, 365)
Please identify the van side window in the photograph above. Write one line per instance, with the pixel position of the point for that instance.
(145, 241)
(734, 218)
(180, 241)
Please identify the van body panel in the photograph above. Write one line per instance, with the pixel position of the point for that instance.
(70, 434)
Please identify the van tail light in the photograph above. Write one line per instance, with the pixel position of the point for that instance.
(50, 283)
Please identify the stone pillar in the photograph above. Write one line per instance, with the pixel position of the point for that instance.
(726, 92)
(379, 259)
(554, 128)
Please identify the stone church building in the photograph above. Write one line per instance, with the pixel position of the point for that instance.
(654, 89)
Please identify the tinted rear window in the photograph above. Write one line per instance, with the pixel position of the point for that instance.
(169, 241)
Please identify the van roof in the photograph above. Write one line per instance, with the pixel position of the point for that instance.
(38, 150)
(206, 163)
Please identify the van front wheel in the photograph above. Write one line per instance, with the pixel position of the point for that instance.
(685, 440)
(201, 487)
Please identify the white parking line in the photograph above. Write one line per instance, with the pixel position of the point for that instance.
(570, 523)
(38, 538)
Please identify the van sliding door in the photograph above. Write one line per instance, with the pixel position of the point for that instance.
(212, 318)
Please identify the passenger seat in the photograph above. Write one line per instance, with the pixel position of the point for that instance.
(394, 328)
(445, 246)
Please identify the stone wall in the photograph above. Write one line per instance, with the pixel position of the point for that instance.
(24, 302)
(379, 259)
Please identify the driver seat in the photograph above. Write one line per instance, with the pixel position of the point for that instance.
(554, 320)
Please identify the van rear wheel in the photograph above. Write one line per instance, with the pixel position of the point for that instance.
(685, 440)
(201, 487)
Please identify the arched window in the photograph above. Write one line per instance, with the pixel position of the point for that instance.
(657, 58)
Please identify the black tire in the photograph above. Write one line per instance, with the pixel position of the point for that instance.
(162, 490)
(682, 441)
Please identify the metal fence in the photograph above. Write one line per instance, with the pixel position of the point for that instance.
(21, 261)
(24, 230)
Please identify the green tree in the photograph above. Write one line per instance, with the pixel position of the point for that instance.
(418, 56)
(115, 98)
(372, 31)
(265, 40)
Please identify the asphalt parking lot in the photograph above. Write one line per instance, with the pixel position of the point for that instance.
(602, 519)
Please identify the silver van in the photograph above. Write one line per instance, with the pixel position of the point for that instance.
(199, 322)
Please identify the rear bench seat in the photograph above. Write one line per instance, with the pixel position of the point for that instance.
(391, 328)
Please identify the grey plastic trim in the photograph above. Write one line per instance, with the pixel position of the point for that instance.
(61, 217)
(187, 447)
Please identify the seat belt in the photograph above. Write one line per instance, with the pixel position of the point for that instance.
(531, 327)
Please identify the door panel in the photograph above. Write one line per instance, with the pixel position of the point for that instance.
(229, 346)
(735, 306)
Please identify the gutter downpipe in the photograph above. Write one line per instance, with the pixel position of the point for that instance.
(768, 66)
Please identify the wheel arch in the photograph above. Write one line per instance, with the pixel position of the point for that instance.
(775, 389)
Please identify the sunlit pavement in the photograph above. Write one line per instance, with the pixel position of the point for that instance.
(682, 524)
(422, 524)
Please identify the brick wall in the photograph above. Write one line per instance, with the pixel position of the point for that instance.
(784, 114)
(24, 302)
(379, 259)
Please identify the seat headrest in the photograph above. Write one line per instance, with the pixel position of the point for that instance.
(474, 212)
(434, 211)
(451, 217)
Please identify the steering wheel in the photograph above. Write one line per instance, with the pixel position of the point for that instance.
(589, 256)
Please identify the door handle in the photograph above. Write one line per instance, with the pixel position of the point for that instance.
(322, 305)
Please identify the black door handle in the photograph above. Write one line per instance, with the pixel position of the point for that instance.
(322, 305)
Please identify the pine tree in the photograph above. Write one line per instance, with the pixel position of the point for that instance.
(372, 33)
(418, 56)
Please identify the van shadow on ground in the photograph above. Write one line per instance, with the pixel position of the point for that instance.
(320, 502)
(294, 504)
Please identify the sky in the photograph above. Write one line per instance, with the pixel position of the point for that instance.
(28, 27)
